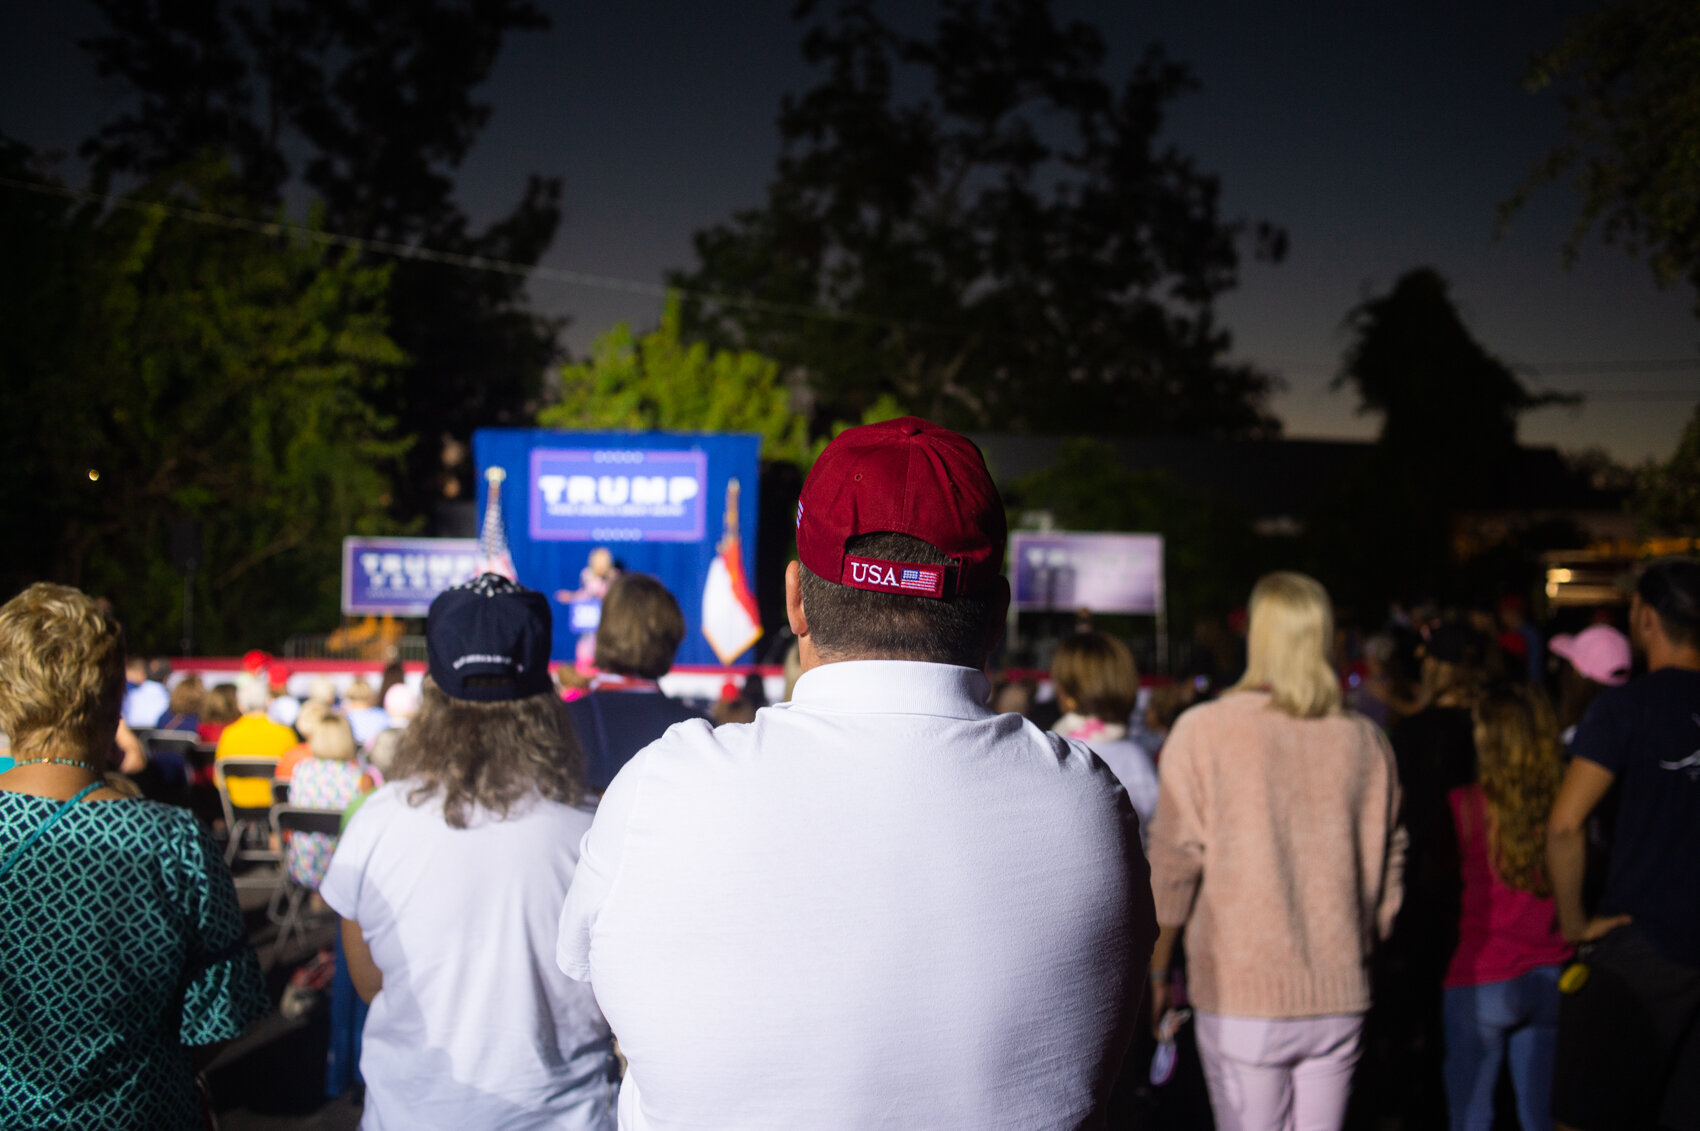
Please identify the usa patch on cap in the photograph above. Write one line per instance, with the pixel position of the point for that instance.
(911, 578)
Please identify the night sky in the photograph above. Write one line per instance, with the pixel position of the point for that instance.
(1382, 136)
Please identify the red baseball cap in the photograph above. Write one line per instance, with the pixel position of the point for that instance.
(904, 476)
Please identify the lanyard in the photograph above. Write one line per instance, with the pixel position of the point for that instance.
(18, 852)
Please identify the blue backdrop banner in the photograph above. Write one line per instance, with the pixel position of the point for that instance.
(655, 500)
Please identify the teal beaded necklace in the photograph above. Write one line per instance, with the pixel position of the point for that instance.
(54, 761)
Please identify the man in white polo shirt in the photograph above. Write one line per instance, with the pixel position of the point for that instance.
(879, 904)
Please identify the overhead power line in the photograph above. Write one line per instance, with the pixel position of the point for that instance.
(277, 228)
(450, 258)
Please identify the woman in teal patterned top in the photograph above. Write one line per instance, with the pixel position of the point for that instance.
(121, 940)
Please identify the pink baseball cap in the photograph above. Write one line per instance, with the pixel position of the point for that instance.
(1599, 652)
(904, 476)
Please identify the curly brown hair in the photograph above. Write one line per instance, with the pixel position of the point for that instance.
(489, 755)
(1519, 764)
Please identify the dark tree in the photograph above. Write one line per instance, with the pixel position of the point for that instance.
(1436, 388)
(1629, 75)
(1449, 413)
(370, 104)
(156, 373)
(1000, 232)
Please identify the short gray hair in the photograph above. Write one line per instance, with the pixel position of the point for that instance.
(252, 695)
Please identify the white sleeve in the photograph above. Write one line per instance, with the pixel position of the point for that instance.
(346, 874)
(599, 856)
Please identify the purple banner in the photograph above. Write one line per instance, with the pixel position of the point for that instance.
(400, 576)
(615, 495)
(1107, 573)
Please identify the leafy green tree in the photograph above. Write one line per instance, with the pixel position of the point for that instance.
(659, 381)
(997, 229)
(370, 104)
(1667, 495)
(173, 372)
(1630, 79)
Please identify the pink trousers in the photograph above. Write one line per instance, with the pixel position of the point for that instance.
(1278, 1074)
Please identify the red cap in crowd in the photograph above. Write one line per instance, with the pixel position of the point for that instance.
(904, 476)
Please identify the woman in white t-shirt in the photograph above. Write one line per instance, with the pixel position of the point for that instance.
(450, 881)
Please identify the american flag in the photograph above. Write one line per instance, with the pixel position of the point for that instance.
(493, 555)
(926, 580)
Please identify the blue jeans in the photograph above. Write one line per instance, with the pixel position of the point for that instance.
(1515, 1021)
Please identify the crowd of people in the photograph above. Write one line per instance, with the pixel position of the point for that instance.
(903, 896)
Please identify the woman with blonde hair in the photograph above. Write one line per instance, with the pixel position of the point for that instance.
(123, 959)
(1501, 991)
(1276, 848)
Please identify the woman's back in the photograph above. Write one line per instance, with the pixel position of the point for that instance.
(117, 923)
(1282, 830)
(475, 1025)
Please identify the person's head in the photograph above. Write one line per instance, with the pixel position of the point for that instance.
(640, 629)
(1454, 654)
(381, 756)
(221, 704)
(188, 697)
(1095, 676)
(359, 693)
(1519, 764)
(1664, 612)
(1013, 696)
(332, 739)
(135, 670)
(253, 696)
(1599, 653)
(61, 674)
(1287, 643)
(159, 669)
(311, 715)
(601, 562)
(322, 691)
(401, 703)
(900, 545)
(490, 733)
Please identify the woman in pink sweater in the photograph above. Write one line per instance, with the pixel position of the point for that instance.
(1276, 847)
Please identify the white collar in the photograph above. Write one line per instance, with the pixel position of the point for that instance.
(894, 687)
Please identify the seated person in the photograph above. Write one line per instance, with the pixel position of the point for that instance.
(219, 712)
(365, 717)
(329, 779)
(312, 714)
(253, 736)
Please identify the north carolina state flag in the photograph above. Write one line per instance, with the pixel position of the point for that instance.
(730, 621)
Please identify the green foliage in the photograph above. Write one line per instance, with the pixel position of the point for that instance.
(1630, 79)
(201, 374)
(1211, 556)
(369, 104)
(1001, 232)
(1667, 495)
(658, 381)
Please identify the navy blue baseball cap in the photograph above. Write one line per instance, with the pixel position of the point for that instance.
(487, 640)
